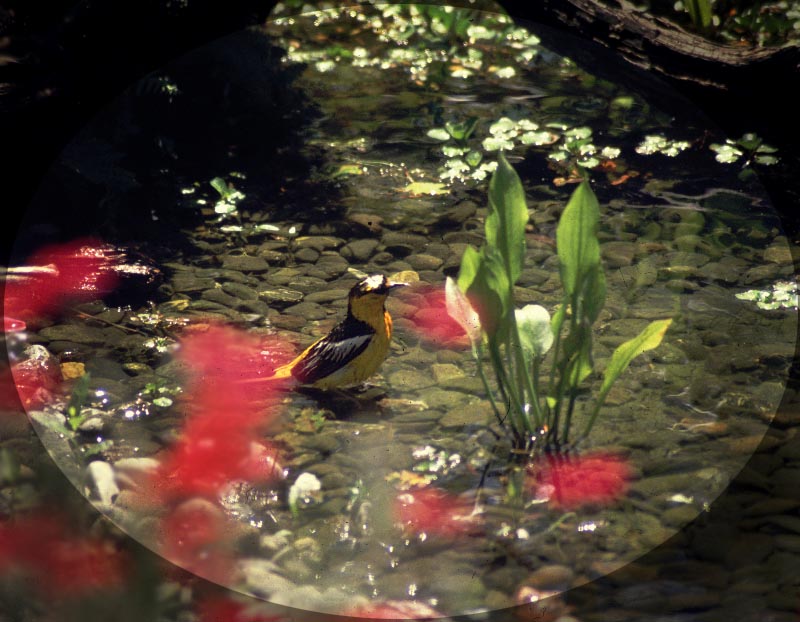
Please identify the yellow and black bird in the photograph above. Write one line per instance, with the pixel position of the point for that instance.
(356, 347)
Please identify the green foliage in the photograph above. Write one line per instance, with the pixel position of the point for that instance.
(699, 12)
(76, 402)
(534, 410)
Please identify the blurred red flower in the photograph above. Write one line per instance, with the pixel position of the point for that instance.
(30, 382)
(432, 321)
(219, 444)
(60, 565)
(432, 511)
(197, 536)
(10, 325)
(395, 610)
(54, 276)
(570, 482)
(220, 609)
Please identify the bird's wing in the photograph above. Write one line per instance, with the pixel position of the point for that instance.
(328, 355)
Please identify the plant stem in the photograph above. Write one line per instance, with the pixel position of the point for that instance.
(512, 398)
(489, 393)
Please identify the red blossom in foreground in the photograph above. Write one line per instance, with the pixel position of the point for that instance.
(570, 482)
(56, 275)
(395, 610)
(30, 382)
(227, 610)
(197, 536)
(432, 511)
(432, 321)
(10, 325)
(219, 444)
(58, 564)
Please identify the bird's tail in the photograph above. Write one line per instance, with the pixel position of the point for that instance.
(284, 372)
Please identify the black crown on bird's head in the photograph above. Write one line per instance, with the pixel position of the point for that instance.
(375, 284)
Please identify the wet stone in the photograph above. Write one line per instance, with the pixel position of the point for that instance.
(778, 253)
(435, 397)
(618, 254)
(551, 577)
(75, 333)
(719, 271)
(319, 242)
(307, 284)
(748, 550)
(788, 542)
(369, 223)
(101, 483)
(444, 371)
(245, 263)
(256, 307)
(306, 255)
(402, 244)
(184, 282)
(423, 261)
(220, 297)
(767, 272)
(468, 414)
(679, 515)
(274, 258)
(330, 265)
(308, 310)
(410, 379)
(284, 295)
(240, 291)
(382, 258)
(458, 214)
(358, 251)
(136, 369)
(287, 322)
(468, 384)
(327, 296)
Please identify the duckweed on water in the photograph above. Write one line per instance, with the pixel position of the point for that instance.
(782, 295)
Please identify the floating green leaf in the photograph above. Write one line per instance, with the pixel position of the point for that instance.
(419, 188)
(438, 133)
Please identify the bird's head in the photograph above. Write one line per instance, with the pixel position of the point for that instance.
(368, 295)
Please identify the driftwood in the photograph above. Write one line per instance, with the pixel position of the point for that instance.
(660, 46)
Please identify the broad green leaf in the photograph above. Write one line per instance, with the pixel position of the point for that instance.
(459, 308)
(648, 339)
(470, 264)
(699, 12)
(489, 292)
(508, 215)
(220, 186)
(576, 238)
(594, 293)
(535, 334)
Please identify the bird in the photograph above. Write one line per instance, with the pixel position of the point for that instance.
(356, 347)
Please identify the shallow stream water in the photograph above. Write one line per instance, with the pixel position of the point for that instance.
(681, 235)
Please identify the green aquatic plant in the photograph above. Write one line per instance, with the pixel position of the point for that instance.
(782, 295)
(534, 403)
(228, 197)
(750, 145)
(699, 12)
(656, 143)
